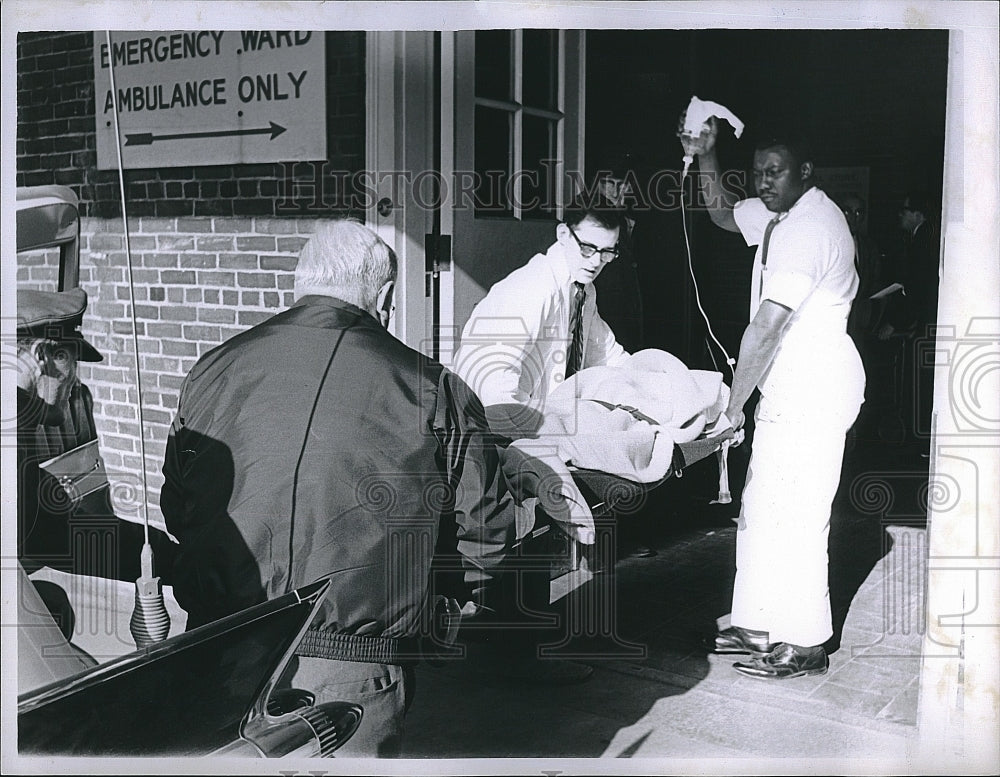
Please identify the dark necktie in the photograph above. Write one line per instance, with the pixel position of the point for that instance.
(575, 356)
(763, 252)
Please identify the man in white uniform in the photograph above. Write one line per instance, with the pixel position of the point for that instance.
(517, 345)
(797, 351)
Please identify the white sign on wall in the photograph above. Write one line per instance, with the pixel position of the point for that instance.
(210, 97)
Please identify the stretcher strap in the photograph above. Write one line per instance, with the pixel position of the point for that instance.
(723, 456)
(637, 414)
(725, 497)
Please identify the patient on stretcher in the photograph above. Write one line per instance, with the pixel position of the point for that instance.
(622, 420)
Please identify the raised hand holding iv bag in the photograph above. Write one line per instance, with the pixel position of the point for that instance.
(698, 113)
(698, 130)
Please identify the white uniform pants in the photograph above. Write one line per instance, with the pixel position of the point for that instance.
(781, 544)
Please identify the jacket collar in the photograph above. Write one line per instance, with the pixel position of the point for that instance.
(322, 301)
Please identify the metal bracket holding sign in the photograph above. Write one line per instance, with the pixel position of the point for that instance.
(211, 97)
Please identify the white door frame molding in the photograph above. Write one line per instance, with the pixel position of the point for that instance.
(398, 146)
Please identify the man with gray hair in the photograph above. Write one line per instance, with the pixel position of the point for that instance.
(317, 445)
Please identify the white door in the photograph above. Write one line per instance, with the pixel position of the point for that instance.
(400, 153)
(511, 132)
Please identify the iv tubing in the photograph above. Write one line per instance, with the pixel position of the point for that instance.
(697, 296)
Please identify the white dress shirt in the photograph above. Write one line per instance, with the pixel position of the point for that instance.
(810, 270)
(514, 345)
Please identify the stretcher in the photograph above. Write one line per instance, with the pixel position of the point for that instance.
(604, 492)
(608, 491)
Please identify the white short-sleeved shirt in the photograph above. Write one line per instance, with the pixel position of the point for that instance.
(514, 345)
(809, 269)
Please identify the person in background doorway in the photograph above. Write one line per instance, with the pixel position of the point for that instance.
(863, 321)
(868, 262)
(913, 314)
(620, 283)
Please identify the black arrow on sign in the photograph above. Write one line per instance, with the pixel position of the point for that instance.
(148, 138)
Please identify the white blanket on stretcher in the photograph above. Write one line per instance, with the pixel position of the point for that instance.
(623, 421)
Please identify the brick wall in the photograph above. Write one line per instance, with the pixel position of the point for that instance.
(213, 247)
(198, 282)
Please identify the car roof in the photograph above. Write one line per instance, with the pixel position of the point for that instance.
(49, 217)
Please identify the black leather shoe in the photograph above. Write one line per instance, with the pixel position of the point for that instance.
(786, 661)
(739, 640)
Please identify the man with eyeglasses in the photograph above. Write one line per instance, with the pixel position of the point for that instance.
(532, 330)
(540, 324)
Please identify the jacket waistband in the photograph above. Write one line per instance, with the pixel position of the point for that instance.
(352, 647)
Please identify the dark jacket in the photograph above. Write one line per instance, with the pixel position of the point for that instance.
(316, 444)
(862, 321)
(918, 272)
(85, 536)
(44, 511)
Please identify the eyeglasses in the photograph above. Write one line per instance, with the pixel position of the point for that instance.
(587, 250)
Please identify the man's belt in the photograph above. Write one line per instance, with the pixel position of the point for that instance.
(318, 643)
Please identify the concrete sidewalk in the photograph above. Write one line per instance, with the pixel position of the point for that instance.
(656, 694)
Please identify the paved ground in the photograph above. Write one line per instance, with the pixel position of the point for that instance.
(656, 694)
